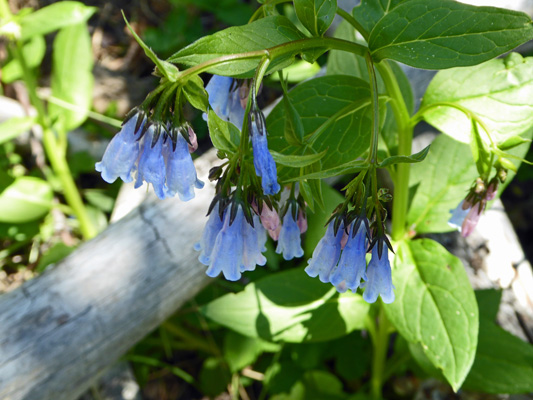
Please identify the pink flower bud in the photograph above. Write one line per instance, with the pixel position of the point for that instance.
(491, 191)
(193, 146)
(302, 222)
(274, 234)
(471, 219)
(269, 218)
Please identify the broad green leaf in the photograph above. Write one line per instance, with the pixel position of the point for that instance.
(314, 385)
(488, 301)
(13, 127)
(413, 158)
(72, 78)
(338, 107)
(296, 161)
(165, 68)
(438, 190)
(369, 12)
(443, 34)
(26, 199)
(294, 130)
(435, 306)
(347, 168)
(258, 35)
(224, 135)
(33, 52)
(503, 364)
(344, 63)
(289, 306)
(316, 15)
(214, 376)
(499, 92)
(299, 71)
(195, 93)
(241, 351)
(54, 17)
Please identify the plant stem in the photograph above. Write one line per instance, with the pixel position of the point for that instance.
(293, 47)
(353, 22)
(55, 154)
(380, 335)
(405, 140)
(373, 154)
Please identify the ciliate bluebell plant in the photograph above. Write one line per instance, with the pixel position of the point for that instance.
(155, 147)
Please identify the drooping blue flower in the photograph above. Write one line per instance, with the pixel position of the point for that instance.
(326, 254)
(207, 242)
(254, 244)
(289, 241)
(224, 101)
(458, 216)
(226, 256)
(121, 154)
(379, 280)
(264, 164)
(352, 264)
(151, 166)
(181, 175)
(237, 247)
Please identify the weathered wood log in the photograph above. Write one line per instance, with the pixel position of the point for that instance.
(60, 330)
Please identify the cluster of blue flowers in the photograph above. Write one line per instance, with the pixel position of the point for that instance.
(234, 238)
(154, 154)
(340, 258)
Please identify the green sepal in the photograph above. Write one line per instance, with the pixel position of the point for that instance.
(165, 68)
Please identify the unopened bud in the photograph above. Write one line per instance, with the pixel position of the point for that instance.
(193, 140)
(302, 222)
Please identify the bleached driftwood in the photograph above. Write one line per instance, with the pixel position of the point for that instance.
(58, 332)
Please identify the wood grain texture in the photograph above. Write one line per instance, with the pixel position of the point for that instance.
(58, 332)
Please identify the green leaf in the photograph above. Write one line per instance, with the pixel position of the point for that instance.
(369, 12)
(413, 158)
(338, 108)
(241, 351)
(214, 376)
(289, 306)
(224, 135)
(26, 199)
(165, 68)
(443, 34)
(512, 142)
(488, 301)
(195, 93)
(294, 130)
(499, 92)
(503, 364)
(13, 127)
(54, 17)
(316, 15)
(72, 78)
(480, 151)
(54, 254)
(315, 385)
(258, 35)
(437, 190)
(296, 161)
(348, 168)
(33, 52)
(435, 306)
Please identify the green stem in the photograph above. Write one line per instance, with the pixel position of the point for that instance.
(405, 141)
(380, 339)
(353, 22)
(373, 154)
(293, 47)
(53, 150)
(91, 114)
